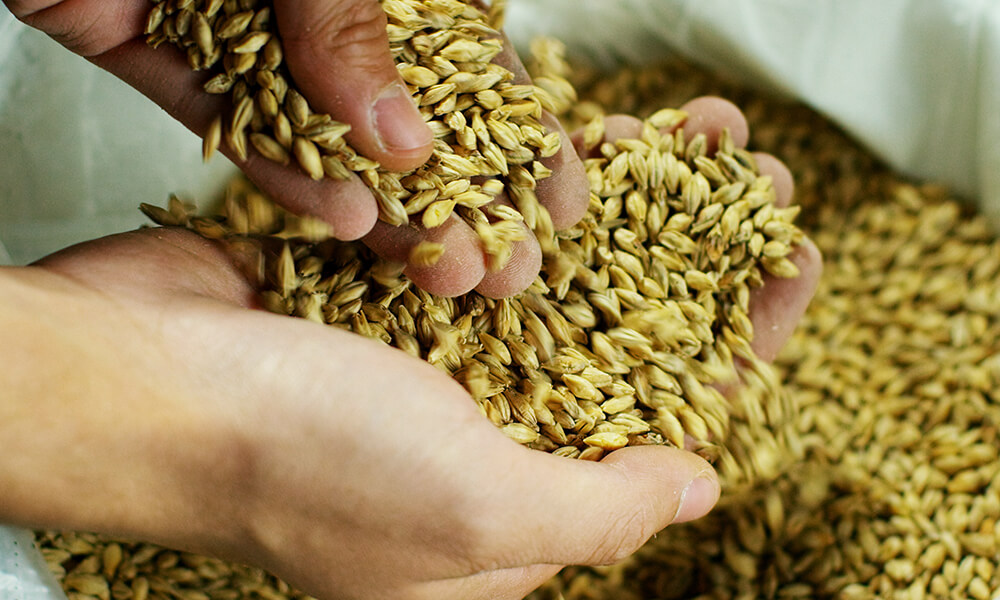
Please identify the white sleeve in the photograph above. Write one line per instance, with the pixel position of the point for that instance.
(23, 573)
(916, 81)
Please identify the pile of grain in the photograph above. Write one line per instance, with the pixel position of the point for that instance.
(894, 371)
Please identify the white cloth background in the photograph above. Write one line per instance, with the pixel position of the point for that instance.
(23, 574)
(79, 149)
(917, 81)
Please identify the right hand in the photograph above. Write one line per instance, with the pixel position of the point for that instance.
(777, 306)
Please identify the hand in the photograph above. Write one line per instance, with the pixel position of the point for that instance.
(777, 306)
(338, 54)
(169, 412)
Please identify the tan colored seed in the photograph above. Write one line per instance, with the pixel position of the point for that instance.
(251, 42)
(213, 136)
(269, 148)
(418, 76)
(308, 157)
(437, 213)
(426, 254)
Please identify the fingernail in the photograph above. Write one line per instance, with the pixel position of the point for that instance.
(398, 123)
(697, 499)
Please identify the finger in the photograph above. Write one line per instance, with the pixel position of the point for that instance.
(566, 193)
(520, 271)
(86, 27)
(616, 127)
(778, 305)
(165, 78)
(462, 244)
(338, 54)
(460, 269)
(580, 512)
(710, 115)
(781, 177)
(457, 271)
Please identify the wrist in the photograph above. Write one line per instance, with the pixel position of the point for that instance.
(98, 433)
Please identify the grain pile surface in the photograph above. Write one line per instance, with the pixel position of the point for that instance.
(894, 485)
(896, 373)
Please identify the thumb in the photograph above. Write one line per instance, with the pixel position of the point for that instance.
(338, 54)
(584, 513)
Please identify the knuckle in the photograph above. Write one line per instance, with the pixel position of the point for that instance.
(481, 536)
(82, 32)
(473, 547)
(343, 27)
(627, 537)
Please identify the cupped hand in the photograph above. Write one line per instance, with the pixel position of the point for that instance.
(338, 54)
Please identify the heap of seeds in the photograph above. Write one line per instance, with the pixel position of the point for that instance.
(636, 317)
(485, 124)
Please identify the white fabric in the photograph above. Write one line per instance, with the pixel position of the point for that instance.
(80, 150)
(916, 81)
(23, 574)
